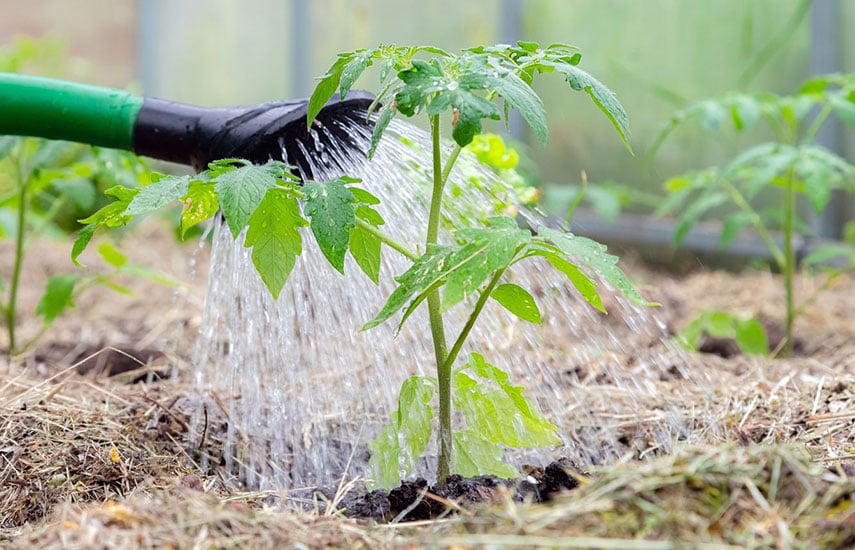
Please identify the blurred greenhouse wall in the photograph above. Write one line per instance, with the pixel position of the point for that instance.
(657, 55)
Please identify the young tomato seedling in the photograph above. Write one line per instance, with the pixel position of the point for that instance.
(42, 181)
(455, 92)
(791, 166)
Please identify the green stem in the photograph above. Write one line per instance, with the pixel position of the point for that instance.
(789, 266)
(449, 163)
(467, 328)
(387, 240)
(437, 328)
(817, 123)
(577, 200)
(757, 223)
(11, 308)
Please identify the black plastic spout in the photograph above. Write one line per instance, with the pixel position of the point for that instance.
(196, 136)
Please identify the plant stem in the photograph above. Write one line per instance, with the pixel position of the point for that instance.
(387, 240)
(449, 163)
(437, 329)
(577, 200)
(757, 223)
(818, 121)
(11, 308)
(470, 322)
(789, 266)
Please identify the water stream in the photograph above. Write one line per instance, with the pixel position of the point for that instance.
(305, 391)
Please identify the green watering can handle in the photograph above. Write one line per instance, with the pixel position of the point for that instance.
(55, 109)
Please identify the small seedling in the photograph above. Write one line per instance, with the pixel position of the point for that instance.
(748, 334)
(40, 183)
(790, 167)
(44, 187)
(455, 92)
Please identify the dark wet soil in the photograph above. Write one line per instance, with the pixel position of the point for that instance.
(417, 500)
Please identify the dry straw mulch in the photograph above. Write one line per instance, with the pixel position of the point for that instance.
(92, 462)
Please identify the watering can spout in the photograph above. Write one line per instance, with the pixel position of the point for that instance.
(277, 130)
(178, 132)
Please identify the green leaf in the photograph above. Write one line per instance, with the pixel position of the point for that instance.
(325, 89)
(486, 251)
(828, 252)
(821, 171)
(359, 61)
(472, 455)
(362, 196)
(815, 85)
(516, 92)
(200, 204)
(818, 180)
(58, 296)
(275, 239)
(240, 191)
(81, 191)
(751, 337)
(366, 247)
(330, 207)
(586, 287)
(602, 97)
(111, 255)
(421, 80)
(414, 418)
(518, 301)
(843, 105)
(113, 215)
(593, 254)
(426, 273)
(385, 457)
(401, 442)
(690, 337)
(7, 145)
(158, 194)
(745, 112)
(694, 211)
(719, 324)
(115, 287)
(461, 268)
(732, 226)
(713, 114)
(387, 113)
(471, 108)
(501, 415)
(81, 242)
(50, 153)
(490, 149)
(749, 334)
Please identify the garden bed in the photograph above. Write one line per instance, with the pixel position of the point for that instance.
(93, 460)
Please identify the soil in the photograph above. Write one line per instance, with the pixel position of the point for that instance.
(93, 426)
(417, 500)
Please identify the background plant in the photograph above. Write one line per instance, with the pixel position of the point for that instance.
(45, 186)
(272, 206)
(789, 168)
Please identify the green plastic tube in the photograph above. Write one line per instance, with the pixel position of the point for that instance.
(56, 109)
